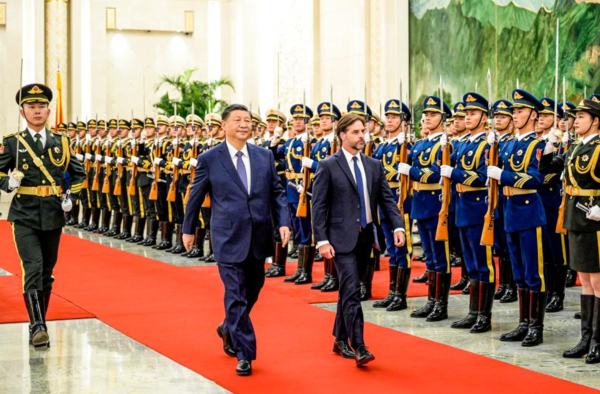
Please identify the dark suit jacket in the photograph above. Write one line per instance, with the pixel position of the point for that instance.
(336, 203)
(240, 223)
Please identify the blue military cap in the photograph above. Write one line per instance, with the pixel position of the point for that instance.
(393, 107)
(568, 107)
(595, 97)
(459, 109)
(358, 107)
(476, 101)
(524, 99)
(297, 111)
(432, 104)
(325, 109)
(502, 107)
(548, 104)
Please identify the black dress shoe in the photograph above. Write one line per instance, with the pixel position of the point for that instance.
(419, 258)
(362, 356)
(343, 349)
(244, 368)
(421, 279)
(275, 271)
(227, 346)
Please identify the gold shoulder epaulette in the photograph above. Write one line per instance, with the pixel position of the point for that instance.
(10, 135)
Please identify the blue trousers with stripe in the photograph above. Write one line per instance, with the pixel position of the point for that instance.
(555, 248)
(399, 256)
(302, 226)
(527, 258)
(436, 252)
(478, 258)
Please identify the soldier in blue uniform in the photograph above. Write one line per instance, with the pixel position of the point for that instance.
(524, 218)
(397, 117)
(507, 290)
(469, 173)
(293, 152)
(424, 171)
(328, 114)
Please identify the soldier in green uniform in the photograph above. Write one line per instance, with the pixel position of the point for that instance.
(110, 159)
(123, 145)
(94, 202)
(162, 206)
(38, 159)
(83, 200)
(134, 195)
(105, 213)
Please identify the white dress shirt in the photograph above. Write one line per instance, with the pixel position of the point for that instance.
(474, 137)
(245, 159)
(41, 133)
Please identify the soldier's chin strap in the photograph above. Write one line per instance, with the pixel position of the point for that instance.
(479, 123)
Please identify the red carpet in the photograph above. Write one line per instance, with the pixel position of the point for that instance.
(175, 311)
(12, 306)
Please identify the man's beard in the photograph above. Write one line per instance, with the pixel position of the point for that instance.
(357, 145)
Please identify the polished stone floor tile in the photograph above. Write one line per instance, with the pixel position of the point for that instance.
(561, 332)
(87, 356)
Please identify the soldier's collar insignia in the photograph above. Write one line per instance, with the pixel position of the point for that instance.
(546, 103)
(471, 99)
(35, 90)
(431, 101)
(355, 105)
(518, 96)
(394, 104)
(502, 105)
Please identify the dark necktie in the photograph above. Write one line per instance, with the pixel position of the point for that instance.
(241, 170)
(361, 194)
(38, 142)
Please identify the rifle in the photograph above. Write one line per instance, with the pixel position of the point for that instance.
(334, 145)
(106, 184)
(118, 185)
(206, 202)
(131, 189)
(97, 163)
(154, 188)
(560, 223)
(172, 196)
(88, 151)
(404, 179)
(441, 233)
(302, 210)
(194, 155)
(487, 235)
(369, 147)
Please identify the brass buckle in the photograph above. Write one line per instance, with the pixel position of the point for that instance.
(44, 191)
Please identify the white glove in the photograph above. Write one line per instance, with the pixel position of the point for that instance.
(278, 133)
(303, 138)
(446, 171)
(176, 162)
(367, 138)
(594, 213)
(565, 139)
(307, 162)
(494, 172)
(79, 156)
(98, 157)
(108, 160)
(443, 141)
(157, 161)
(193, 162)
(135, 160)
(552, 137)
(299, 189)
(120, 160)
(401, 139)
(404, 168)
(67, 205)
(491, 138)
(13, 183)
(88, 156)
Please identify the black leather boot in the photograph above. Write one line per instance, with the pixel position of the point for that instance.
(333, 284)
(210, 257)
(587, 314)
(464, 278)
(297, 274)
(510, 294)
(178, 248)
(197, 249)
(537, 311)
(426, 310)
(293, 253)
(36, 309)
(556, 303)
(393, 270)
(94, 220)
(571, 277)
(127, 222)
(593, 356)
(399, 301)
(116, 225)
(138, 225)
(166, 234)
(421, 279)
(306, 274)
(74, 216)
(501, 277)
(469, 321)
(319, 286)
(277, 269)
(105, 222)
(519, 333)
(486, 302)
(440, 309)
(367, 281)
(151, 233)
(85, 218)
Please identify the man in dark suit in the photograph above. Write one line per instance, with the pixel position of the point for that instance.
(247, 201)
(347, 190)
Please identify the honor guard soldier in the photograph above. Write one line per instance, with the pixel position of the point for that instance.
(316, 128)
(293, 151)
(104, 148)
(71, 131)
(38, 159)
(503, 122)
(176, 186)
(424, 170)
(254, 135)
(143, 160)
(81, 156)
(276, 121)
(133, 175)
(110, 160)
(120, 183)
(582, 219)
(328, 115)
(160, 160)
(389, 153)
(524, 218)
(95, 207)
(469, 173)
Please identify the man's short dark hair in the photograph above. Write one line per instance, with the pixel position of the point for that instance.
(234, 107)
(346, 121)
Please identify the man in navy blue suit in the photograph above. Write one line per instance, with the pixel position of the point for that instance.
(247, 198)
(347, 190)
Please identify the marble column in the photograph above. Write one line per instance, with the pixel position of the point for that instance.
(57, 51)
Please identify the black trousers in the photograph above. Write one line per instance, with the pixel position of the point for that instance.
(243, 282)
(163, 208)
(149, 206)
(349, 319)
(38, 251)
(177, 208)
